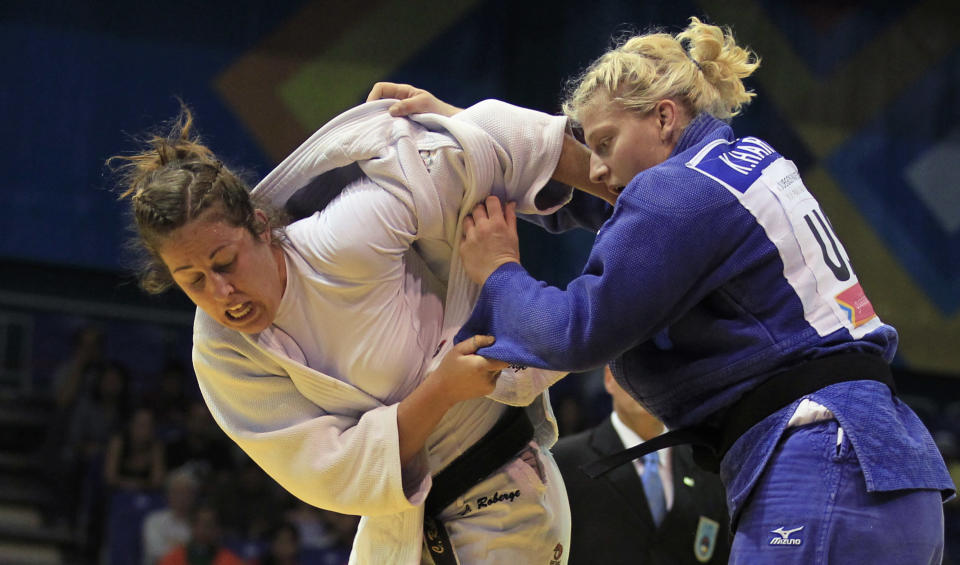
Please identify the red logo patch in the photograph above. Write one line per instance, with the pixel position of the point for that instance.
(855, 303)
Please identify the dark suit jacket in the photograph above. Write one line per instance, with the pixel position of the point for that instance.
(611, 519)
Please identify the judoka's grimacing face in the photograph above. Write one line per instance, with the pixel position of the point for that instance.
(235, 277)
(624, 142)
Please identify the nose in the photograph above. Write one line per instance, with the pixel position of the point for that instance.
(222, 287)
(598, 170)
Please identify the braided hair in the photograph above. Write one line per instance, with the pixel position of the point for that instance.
(171, 182)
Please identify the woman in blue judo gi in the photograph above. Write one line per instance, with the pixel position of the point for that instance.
(729, 308)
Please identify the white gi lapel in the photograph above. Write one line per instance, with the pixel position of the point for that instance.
(329, 393)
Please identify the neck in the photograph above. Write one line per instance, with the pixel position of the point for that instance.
(281, 267)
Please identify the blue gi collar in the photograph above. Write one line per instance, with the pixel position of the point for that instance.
(699, 127)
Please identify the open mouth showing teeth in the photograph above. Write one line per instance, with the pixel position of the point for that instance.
(240, 311)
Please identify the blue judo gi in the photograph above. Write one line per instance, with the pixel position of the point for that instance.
(715, 270)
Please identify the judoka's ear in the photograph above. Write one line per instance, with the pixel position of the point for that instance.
(668, 116)
(262, 220)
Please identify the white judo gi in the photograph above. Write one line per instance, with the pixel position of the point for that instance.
(375, 293)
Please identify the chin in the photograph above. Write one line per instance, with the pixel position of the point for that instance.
(253, 328)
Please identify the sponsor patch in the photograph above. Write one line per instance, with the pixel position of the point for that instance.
(854, 302)
(784, 536)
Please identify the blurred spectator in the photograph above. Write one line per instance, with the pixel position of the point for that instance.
(201, 445)
(315, 531)
(74, 378)
(205, 546)
(344, 528)
(166, 528)
(249, 501)
(99, 415)
(133, 470)
(135, 456)
(284, 546)
(94, 420)
(170, 400)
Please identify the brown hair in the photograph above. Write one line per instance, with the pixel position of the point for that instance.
(641, 71)
(174, 180)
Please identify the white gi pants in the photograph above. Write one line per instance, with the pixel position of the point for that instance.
(513, 517)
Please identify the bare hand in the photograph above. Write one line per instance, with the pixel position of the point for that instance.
(412, 100)
(464, 375)
(489, 239)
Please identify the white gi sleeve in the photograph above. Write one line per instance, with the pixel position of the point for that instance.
(361, 236)
(528, 144)
(347, 462)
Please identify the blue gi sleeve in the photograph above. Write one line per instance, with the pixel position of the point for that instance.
(650, 263)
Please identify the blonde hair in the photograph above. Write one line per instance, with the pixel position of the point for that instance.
(641, 71)
(172, 181)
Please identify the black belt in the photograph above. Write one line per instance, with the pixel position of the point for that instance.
(512, 432)
(711, 442)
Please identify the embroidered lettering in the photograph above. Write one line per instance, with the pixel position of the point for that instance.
(496, 497)
(748, 154)
(745, 156)
(738, 168)
(788, 180)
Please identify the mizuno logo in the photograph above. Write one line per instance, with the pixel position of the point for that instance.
(784, 538)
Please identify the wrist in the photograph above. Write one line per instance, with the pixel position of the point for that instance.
(450, 110)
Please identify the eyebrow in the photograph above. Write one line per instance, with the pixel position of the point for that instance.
(212, 253)
(593, 134)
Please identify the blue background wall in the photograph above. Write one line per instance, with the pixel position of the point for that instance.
(864, 97)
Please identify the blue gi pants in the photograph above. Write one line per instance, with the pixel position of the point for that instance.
(811, 506)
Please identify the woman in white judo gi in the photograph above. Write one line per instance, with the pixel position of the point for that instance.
(323, 348)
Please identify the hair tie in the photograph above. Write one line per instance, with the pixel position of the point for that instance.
(692, 60)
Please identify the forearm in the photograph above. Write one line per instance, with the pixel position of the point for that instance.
(460, 376)
(417, 417)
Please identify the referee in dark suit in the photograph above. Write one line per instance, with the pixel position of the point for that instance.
(613, 522)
